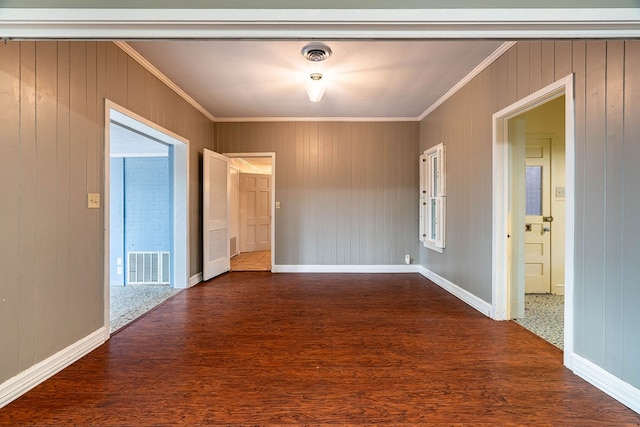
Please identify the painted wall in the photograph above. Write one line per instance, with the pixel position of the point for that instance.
(607, 97)
(141, 210)
(347, 190)
(147, 204)
(51, 149)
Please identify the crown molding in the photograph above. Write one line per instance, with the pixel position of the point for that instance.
(314, 119)
(484, 64)
(162, 77)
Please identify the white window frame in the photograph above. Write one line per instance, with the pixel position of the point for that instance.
(433, 200)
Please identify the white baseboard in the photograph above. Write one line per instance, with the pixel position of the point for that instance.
(195, 279)
(623, 392)
(400, 268)
(16, 386)
(466, 296)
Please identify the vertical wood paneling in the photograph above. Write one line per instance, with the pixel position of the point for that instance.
(343, 248)
(296, 207)
(116, 86)
(535, 66)
(62, 204)
(135, 86)
(357, 197)
(614, 202)
(607, 103)
(46, 195)
(9, 208)
(512, 79)
(579, 67)
(563, 59)
(52, 98)
(78, 189)
(27, 177)
(594, 200)
(93, 236)
(547, 70)
(341, 186)
(523, 73)
(631, 213)
(502, 76)
(313, 216)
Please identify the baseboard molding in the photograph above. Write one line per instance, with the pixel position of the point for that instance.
(23, 382)
(466, 296)
(623, 392)
(195, 279)
(400, 268)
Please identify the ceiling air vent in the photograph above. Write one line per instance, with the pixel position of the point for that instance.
(316, 52)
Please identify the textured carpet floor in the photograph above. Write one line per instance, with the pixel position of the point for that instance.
(544, 316)
(130, 302)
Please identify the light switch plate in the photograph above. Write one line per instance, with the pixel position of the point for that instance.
(560, 192)
(277, 205)
(93, 201)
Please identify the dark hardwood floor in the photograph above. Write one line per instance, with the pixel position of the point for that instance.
(262, 348)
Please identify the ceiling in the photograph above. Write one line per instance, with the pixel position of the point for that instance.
(266, 79)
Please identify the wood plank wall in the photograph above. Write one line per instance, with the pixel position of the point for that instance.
(347, 189)
(52, 153)
(607, 96)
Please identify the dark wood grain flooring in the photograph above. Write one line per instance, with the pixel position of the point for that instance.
(261, 348)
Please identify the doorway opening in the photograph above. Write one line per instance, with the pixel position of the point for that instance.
(251, 213)
(145, 215)
(523, 240)
(541, 185)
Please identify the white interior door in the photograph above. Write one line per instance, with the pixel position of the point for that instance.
(215, 215)
(255, 212)
(538, 216)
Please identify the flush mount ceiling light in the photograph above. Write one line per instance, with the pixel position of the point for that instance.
(315, 88)
(316, 52)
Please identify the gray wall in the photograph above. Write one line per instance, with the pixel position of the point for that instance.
(348, 190)
(607, 96)
(52, 155)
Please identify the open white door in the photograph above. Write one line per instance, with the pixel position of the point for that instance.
(215, 239)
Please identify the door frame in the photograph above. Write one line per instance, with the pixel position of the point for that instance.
(271, 155)
(180, 237)
(501, 166)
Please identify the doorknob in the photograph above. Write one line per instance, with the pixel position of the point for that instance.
(544, 230)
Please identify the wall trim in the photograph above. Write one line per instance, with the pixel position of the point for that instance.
(400, 268)
(466, 79)
(479, 304)
(162, 77)
(620, 390)
(195, 279)
(23, 382)
(314, 119)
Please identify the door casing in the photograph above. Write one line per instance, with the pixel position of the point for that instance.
(180, 247)
(500, 234)
(271, 155)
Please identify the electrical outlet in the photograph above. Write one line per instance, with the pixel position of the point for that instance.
(407, 259)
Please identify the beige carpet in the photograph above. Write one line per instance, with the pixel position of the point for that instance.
(544, 316)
